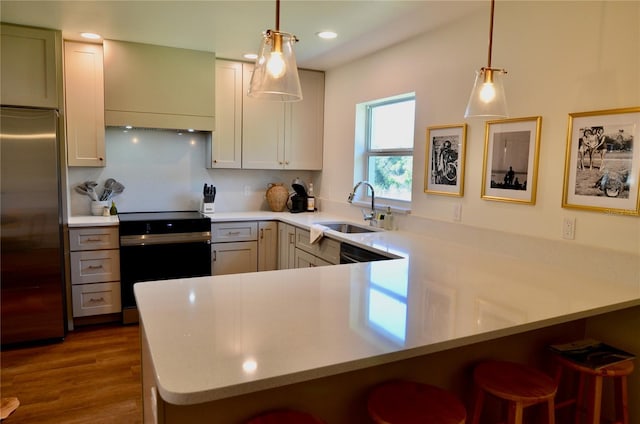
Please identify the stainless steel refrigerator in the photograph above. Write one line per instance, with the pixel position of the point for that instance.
(32, 280)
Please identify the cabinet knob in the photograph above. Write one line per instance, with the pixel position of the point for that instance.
(100, 159)
(215, 161)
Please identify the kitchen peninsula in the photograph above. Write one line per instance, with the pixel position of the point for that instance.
(228, 347)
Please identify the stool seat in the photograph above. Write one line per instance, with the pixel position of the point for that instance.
(518, 384)
(407, 402)
(285, 417)
(619, 369)
(593, 404)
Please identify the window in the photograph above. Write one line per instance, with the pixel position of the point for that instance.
(386, 156)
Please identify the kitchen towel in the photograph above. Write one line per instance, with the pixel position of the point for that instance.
(316, 231)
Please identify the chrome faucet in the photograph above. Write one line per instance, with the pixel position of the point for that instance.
(371, 217)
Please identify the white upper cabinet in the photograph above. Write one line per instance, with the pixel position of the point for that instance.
(305, 131)
(226, 143)
(159, 87)
(84, 104)
(279, 135)
(30, 61)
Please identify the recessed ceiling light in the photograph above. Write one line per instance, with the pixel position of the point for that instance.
(327, 35)
(91, 35)
(250, 56)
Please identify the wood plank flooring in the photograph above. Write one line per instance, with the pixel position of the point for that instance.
(93, 376)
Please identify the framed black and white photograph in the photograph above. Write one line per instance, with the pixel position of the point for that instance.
(444, 161)
(602, 165)
(510, 166)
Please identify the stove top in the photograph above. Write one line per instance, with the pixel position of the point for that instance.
(136, 223)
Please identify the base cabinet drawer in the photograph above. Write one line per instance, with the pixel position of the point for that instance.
(96, 299)
(234, 231)
(93, 238)
(95, 266)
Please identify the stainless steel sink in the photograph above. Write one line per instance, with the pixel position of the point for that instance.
(347, 227)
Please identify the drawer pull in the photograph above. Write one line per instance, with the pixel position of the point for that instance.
(94, 239)
(99, 300)
(233, 233)
(95, 267)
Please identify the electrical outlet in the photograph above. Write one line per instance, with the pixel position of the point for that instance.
(247, 190)
(457, 212)
(569, 229)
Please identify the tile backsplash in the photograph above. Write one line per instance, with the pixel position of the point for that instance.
(165, 170)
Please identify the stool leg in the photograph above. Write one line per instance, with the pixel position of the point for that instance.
(594, 407)
(622, 401)
(579, 398)
(477, 405)
(515, 412)
(551, 411)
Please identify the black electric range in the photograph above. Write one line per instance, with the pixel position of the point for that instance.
(161, 246)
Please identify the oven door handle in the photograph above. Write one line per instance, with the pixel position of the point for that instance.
(176, 238)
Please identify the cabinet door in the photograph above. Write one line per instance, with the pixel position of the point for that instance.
(84, 100)
(286, 246)
(305, 124)
(234, 258)
(262, 130)
(267, 246)
(226, 143)
(307, 260)
(29, 74)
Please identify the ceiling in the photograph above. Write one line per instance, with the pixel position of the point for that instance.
(232, 28)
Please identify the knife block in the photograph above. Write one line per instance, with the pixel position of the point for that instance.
(207, 208)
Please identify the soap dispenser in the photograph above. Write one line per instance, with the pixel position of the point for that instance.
(388, 219)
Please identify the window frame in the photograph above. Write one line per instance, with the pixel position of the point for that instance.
(367, 152)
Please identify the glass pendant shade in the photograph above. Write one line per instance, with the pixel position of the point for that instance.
(487, 98)
(275, 75)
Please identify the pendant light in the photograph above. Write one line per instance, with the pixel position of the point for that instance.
(487, 97)
(275, 76)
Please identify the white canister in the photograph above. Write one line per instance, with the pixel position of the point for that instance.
(97, 207)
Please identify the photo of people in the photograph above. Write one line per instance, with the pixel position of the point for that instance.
(444, 159)
(604, 160)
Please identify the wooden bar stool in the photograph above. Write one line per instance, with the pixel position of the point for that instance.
(285, 416)
(406, 402)
(593, 406)
(520, 385)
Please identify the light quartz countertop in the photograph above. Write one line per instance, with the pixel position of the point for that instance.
(216, 337)
(93, 221)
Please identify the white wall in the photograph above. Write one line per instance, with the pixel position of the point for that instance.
(562, 57)
(164, 171)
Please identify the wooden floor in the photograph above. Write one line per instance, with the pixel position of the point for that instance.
(93, 376)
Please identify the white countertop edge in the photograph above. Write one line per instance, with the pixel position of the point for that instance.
(307, 375)
(93, 221)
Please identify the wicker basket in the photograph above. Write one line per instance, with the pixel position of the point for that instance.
(277, 196)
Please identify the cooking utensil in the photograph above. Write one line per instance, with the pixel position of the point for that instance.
(83, 189)
(108, 185)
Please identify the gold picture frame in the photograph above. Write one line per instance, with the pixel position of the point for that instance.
(445, 160)
(511, 154)
(602, 167)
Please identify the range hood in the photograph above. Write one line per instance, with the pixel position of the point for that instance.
(149, 86)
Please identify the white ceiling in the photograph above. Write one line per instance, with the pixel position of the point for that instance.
(232, 28)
